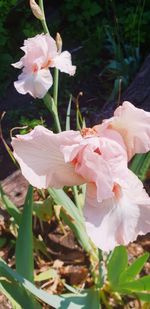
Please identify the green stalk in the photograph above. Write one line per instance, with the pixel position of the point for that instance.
(55, 89)
(53, 109)
(51, 106)
(76, 197)
(55, 97)
(43, 21)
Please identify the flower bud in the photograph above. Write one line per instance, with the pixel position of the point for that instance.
(59, 42)
(36, 10)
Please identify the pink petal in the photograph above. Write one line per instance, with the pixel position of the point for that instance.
(36, 84)
(113, 150)
(41, 161)
(101, 160)
(120, 219)
(64, 64)
(134, 126)
(96, 170)
(91, 165)
(39, 49)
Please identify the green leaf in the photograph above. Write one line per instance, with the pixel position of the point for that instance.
(136, 163)
(4, 291)
(134, 268)
(52, 300)
(18, 295)
(140, 165)
(144, 297)
(85, 300)
(3, 241)
(43, 209)
(142, 284)
(39, 245)
(72, 218)
(145, 167)
(10, 207)
(61, 198)
(45, 275)
(118, 262)
(68, 114)
(24, 243)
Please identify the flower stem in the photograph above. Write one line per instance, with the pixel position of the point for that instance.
(50, 104)
(76, 197)
(53, 109)
(43, 21)
(55, 97)
(55, 89)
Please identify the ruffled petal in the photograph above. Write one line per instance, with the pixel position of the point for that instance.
(36, 84)
(18, 64)
(42, 46)
(101, 160)
(118, 220)
(90, 164)
(41, 160)
(134, 126)
(64, 64)
(96, 170)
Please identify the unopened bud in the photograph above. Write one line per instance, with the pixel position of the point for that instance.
(59, 42)
(36, 10)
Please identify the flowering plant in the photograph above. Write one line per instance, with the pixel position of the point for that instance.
(114, 208)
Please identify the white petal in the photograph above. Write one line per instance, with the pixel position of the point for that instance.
(134, 126)
(64, 64)
(41, 161)
(118, 221)
(36, 84)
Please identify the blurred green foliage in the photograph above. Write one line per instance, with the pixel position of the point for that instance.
(109, 38)
(14, 27)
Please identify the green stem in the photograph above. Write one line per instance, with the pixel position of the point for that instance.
(53, 109)
(76, 197)
(43, 21)
(55, 97)
(50, 104)
(55, 89)
(57, 122)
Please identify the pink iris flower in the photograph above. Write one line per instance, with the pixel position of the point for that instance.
(116, 206)
(40, 54)
(134, 126)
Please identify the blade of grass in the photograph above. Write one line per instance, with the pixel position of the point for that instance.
(24, 243)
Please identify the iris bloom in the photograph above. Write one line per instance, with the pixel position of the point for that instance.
(40, 54)
(117, 206)
(134, 126)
